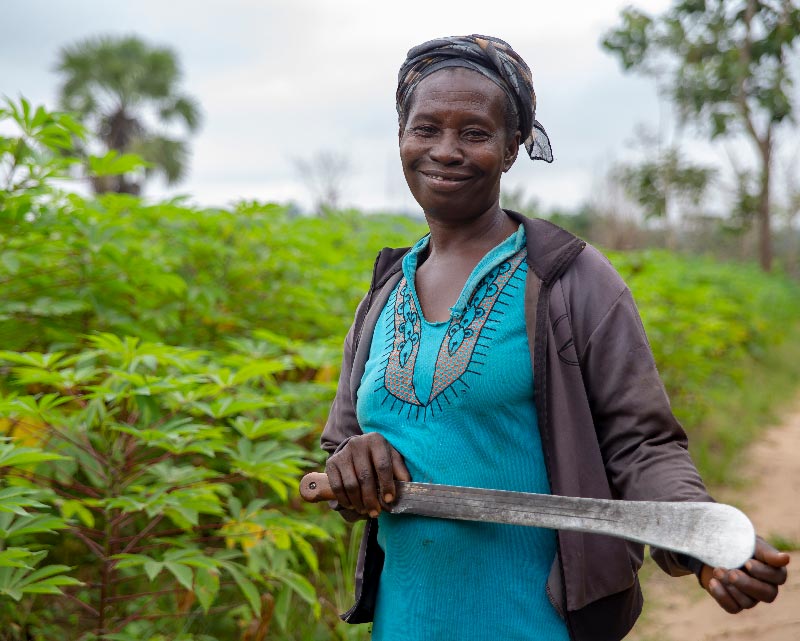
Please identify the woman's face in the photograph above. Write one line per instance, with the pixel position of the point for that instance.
(454, 147)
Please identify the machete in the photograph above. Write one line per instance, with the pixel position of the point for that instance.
(716, 534)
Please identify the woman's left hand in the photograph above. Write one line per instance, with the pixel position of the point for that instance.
(758, 580)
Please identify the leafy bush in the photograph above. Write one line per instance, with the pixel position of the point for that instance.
(164, 374)
(164, 470)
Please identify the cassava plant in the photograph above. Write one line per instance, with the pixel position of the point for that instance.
(165, 473)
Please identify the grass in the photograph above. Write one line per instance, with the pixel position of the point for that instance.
(782, 543)
(740, 413)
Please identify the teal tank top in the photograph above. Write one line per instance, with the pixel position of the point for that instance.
(456, 400)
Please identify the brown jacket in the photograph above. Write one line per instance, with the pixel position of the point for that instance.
(606, 425)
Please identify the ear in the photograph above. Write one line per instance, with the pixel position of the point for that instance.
(511, 151)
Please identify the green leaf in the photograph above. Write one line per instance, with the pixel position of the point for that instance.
(20, 558)
(283, 606)
(206, 587)
(180, 572)
(17, 581)
(13, 526)
(301, 587)
(247, 587)
(152, 569)
(115, 164)
(77, 508)
(16, 499)
(14, 456)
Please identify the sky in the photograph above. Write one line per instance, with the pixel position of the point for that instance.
(279, 81)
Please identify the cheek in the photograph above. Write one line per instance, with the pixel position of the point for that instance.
(491, 160)
(408, 151)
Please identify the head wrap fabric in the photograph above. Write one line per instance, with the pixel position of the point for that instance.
(495, 59)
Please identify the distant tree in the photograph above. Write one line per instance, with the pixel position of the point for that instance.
(663, 181)
(791, 211)
(726, 64)
(126, 93)
(324, 176)
(517, 200)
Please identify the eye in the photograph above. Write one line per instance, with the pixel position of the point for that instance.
(426, 131)
(477, 135)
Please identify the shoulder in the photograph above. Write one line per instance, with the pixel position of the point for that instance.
(590, 290)
(592, 272)
(388, 262)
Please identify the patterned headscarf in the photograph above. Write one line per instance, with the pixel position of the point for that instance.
(491, 57)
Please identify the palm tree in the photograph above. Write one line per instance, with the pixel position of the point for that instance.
(125, 91)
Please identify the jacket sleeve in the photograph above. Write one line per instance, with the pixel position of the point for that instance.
(644, 448)
(342, 423)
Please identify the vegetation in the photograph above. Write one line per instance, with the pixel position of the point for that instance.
(121, 88)
(727, 65)
(165, 374)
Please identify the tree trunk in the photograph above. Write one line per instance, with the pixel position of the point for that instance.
(764, 227)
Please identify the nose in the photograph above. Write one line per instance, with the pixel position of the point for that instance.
(446, 150)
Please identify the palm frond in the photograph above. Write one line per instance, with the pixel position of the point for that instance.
(169, 157)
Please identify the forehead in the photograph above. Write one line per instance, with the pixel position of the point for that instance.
(457, 88)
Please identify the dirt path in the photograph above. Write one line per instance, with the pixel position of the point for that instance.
(679, 610)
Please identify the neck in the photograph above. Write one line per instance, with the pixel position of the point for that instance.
(478, 235)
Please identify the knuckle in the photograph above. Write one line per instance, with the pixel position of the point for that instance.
(350, 484)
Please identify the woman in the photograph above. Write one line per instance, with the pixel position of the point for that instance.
(505, 353)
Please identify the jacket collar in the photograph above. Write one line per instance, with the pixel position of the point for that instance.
(550, 251)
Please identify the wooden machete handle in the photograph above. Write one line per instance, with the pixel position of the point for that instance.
(314, 487)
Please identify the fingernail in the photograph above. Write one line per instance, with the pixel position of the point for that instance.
(748, 566)
(713, 583)
(373, 513)
(719, 574)
(733, 576)
(388, 498)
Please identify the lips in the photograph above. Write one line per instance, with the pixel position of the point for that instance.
(444, 181)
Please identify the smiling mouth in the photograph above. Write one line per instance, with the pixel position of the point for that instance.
(445, 179)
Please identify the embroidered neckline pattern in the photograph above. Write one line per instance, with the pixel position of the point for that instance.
(462, 350)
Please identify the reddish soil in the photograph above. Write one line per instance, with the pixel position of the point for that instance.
(679, 610)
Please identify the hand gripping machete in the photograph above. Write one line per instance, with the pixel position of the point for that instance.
(716, 534)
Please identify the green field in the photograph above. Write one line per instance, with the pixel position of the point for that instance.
(164, 375)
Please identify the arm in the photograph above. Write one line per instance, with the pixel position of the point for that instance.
(645, 449)
(361, 467)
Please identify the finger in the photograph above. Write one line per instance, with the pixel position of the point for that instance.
(366, 489)
(769, 555)
(744, 601)
(350, 485)
(721, 596)
(337, 487)
(764, 572)
(382, 462)
(752, 587)
(399, 466)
